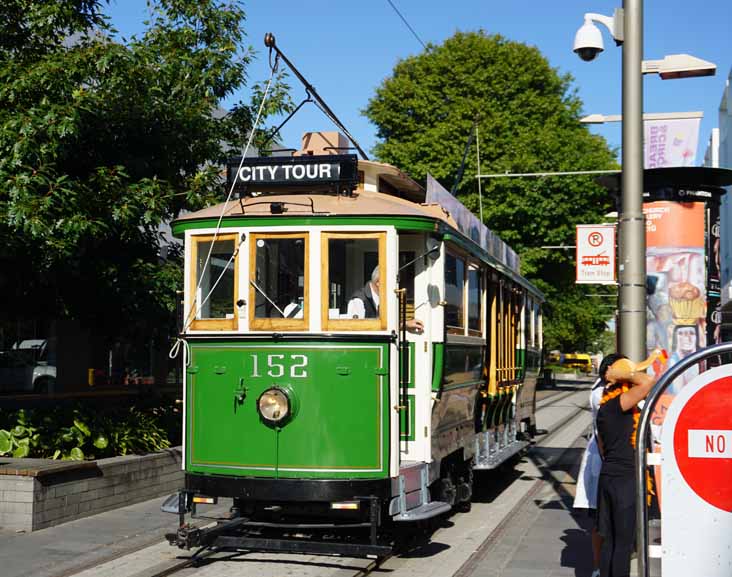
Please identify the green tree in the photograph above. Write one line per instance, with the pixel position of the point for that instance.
(104, 139)
(528, 119)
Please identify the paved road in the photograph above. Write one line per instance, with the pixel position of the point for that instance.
(101, 545)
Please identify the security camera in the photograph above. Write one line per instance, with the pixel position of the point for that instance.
(588, 41)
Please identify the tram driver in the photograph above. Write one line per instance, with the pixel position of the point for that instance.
(364, 303)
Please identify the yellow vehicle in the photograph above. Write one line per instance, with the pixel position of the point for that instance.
(581, 361)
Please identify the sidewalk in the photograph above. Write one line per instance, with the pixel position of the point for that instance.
(545, 537)
(71, 547)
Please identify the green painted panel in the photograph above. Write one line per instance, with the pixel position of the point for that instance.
(339, 429)
(438, 365)
(410, 364)
(520, 363)
(401, 223)
(407, 434)
(222, 434)
(341, 426)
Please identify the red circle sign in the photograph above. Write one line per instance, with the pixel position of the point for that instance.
(595, 239)
(703, 443)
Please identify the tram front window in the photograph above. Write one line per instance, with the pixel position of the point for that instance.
(355, 288)
(215, 278)
(278, 287)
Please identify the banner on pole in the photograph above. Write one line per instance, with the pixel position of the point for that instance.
(595, 254)
(670, 142)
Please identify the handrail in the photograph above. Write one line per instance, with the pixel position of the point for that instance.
(640, 458)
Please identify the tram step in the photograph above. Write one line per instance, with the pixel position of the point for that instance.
(411, 472)
(485, 463)
(426, 511)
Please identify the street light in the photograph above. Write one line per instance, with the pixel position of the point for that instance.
(626, 28)
(603, 118)
(679, 66)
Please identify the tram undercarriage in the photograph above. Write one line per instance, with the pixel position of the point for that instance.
(357, 518)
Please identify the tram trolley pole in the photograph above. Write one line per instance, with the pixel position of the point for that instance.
(641, 454)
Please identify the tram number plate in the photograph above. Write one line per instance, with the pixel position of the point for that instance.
(278, 365)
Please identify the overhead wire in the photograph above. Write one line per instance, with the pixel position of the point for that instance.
(407, 24)
(194, 305)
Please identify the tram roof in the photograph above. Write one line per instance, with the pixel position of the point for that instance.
(363, 203)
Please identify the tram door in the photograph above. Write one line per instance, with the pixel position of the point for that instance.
(416, 356)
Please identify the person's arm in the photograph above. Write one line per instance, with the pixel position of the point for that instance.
(415, 326)
(642, 384)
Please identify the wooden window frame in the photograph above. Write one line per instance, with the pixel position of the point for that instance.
(279, 324)
(328, 324)
(450, 329)
(481, 274)
(212, 324)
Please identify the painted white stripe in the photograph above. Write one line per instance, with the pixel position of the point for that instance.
(710, 444)
(653, 459)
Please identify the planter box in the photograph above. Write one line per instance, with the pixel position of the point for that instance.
(40, 493)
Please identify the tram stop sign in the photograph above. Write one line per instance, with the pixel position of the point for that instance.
(696, 478)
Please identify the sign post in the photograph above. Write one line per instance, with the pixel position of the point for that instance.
(696, 478)
(596, 254)
(696, 470)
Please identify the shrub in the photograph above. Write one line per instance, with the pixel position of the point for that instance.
(87, 432)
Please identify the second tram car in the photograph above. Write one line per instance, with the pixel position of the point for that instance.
(317, 413)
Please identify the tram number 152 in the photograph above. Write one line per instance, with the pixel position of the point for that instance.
(278, 365)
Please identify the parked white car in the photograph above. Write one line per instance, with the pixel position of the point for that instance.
(26, 367)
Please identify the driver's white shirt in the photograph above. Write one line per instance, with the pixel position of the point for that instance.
(356, 308)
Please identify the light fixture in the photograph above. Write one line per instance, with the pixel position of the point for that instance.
(603, 118)
(274, 405)
(675, 66)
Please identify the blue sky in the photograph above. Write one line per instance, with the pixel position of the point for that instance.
(346, 48)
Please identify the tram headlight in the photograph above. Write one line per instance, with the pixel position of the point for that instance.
(274, 405)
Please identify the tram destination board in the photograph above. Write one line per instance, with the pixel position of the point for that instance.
(332, 172)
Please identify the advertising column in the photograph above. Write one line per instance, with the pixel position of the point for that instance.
(676, 269)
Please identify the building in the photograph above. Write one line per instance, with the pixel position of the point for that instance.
(719, 155)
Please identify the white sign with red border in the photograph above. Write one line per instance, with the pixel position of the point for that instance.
(696, 478)
(595, 253)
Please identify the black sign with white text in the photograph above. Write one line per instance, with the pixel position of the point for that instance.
(262, 174)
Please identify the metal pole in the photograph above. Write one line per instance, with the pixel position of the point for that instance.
(632, 241)
(480, 190)
(269, 42)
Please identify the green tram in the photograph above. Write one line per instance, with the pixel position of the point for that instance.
(312, 413)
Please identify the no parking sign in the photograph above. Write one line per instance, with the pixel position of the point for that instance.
(696, 478)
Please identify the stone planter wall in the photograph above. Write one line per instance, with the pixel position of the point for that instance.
(40, 493)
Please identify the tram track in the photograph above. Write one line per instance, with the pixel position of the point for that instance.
(556, 412)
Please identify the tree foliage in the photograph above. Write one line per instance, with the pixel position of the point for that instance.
(104, 139)
(528, 121)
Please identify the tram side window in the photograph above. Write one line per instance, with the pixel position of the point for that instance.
(214, 282)
(529, 322)
(277, 281)
(353, 289)
(454, 294)
(475, 291)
